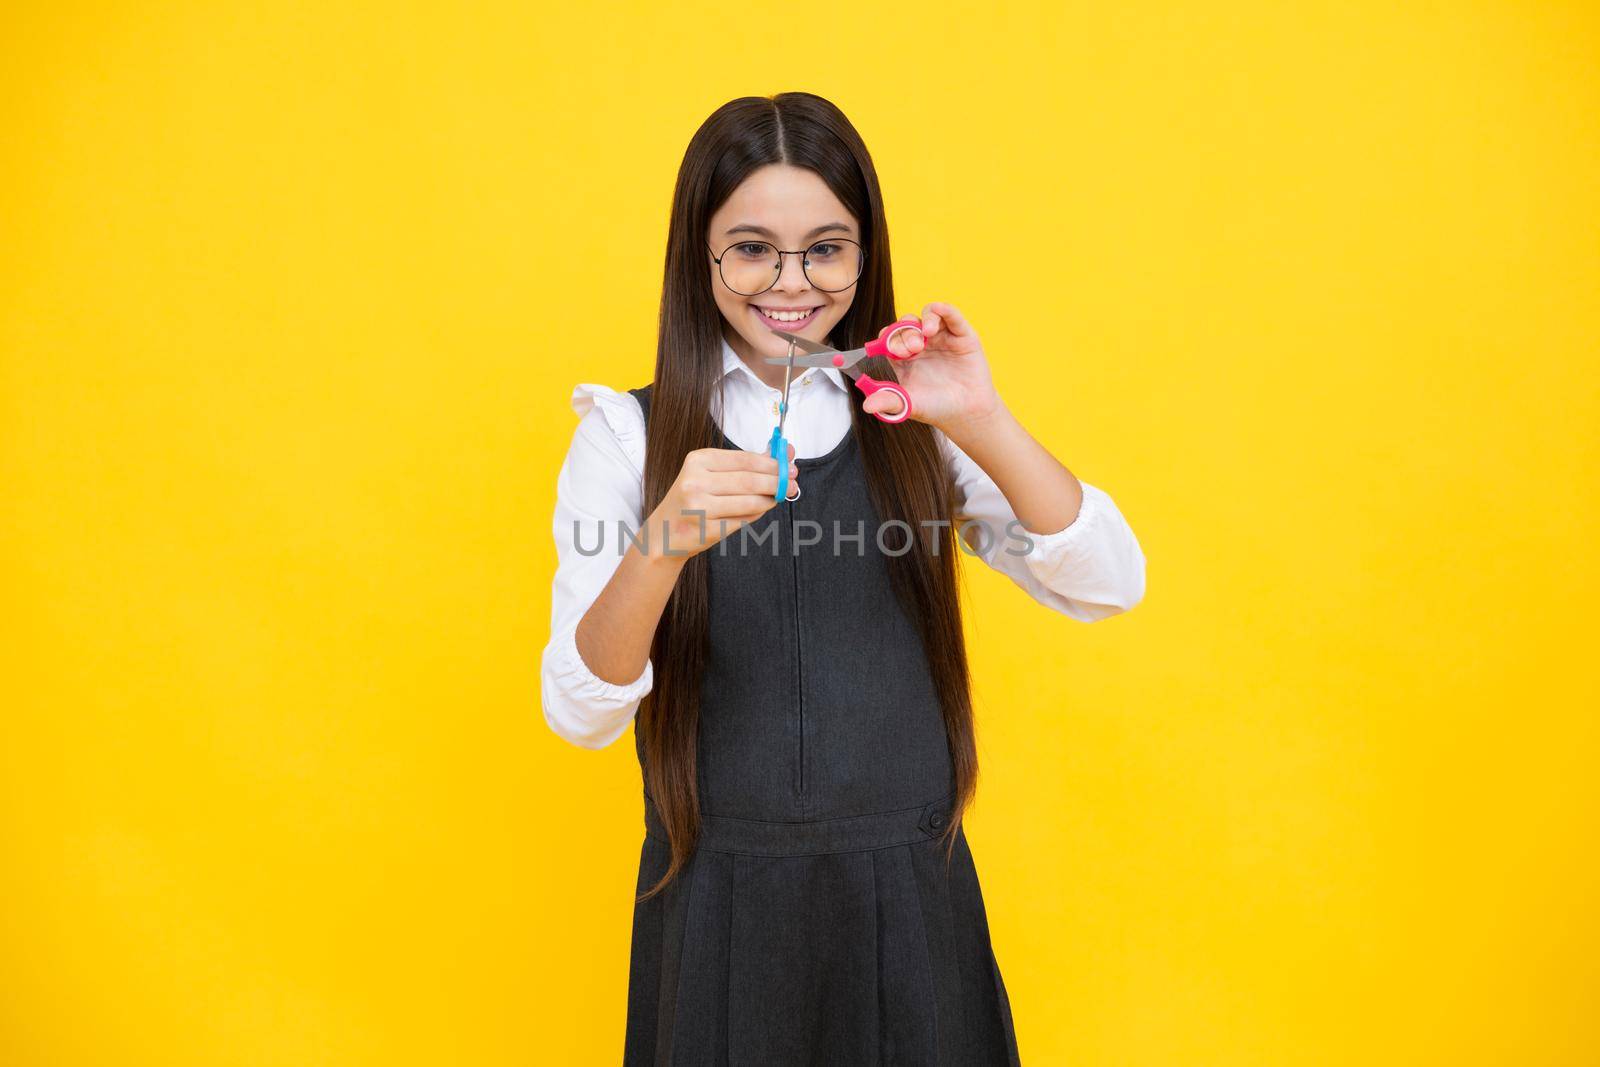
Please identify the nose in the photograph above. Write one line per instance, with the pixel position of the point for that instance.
(792, 276)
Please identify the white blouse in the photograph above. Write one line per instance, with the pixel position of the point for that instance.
(1091, 569)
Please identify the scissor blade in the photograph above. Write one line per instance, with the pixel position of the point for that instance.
(805, 361)
(783, 408)
(802, 343)
(822, 355)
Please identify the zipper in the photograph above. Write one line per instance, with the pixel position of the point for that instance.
(799, 695)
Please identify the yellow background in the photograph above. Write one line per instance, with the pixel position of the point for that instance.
(293, 300)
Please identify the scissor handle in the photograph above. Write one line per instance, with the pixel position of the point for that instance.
(869, 385)
(778, 449)
(879, 346)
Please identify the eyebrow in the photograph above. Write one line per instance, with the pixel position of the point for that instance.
(763, 231)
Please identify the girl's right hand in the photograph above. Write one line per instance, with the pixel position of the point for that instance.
(730, 486)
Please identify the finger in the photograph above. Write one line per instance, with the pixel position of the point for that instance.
(729, 507)
(728, 525)
(736, 522)
(738, 459)
(945, 317)
(907, 343)
(739, 483)
(882, 401)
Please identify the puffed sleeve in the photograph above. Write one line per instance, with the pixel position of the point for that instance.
(600, 483)
(1089, 570)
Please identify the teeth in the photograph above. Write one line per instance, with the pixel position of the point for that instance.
(784, 316)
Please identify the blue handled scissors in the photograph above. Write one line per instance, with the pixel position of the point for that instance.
(818, 355)
(778, 448)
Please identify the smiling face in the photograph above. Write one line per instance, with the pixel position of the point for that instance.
(789, 208)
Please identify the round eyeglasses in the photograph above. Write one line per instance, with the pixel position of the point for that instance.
(750, 268)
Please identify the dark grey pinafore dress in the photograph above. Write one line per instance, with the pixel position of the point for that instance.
(815, 922)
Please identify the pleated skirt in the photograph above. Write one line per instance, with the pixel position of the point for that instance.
(876, 955)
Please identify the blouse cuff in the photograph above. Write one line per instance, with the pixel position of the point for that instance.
(1053, 552)
(573, 675)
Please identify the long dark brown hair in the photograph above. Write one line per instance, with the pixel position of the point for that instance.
(907, 478)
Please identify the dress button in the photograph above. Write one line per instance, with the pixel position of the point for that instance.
(936, 820)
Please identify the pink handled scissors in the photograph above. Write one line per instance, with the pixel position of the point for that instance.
(823, 356)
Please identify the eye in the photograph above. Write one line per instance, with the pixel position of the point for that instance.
(824, 250)
(753, 250)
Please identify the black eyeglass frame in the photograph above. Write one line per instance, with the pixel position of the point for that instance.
(861, 263)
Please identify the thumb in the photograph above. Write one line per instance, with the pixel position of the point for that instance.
(881, 401)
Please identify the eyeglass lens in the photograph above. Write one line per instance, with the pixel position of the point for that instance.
(753, 267)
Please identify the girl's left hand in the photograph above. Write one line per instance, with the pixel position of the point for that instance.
(949, 380)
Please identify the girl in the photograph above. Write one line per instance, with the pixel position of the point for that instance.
(804, 719)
